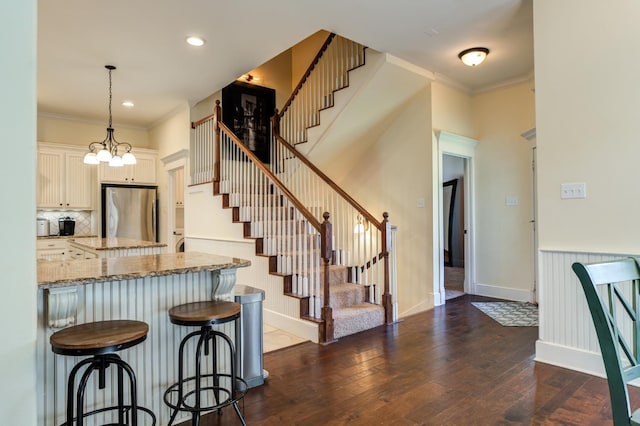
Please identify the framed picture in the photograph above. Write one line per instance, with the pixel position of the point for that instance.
(247, 110)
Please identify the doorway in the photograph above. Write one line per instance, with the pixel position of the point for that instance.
(454, 152)
(453, 209)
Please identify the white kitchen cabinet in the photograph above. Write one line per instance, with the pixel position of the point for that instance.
(51, 249)
(141, 173)
(64, 181)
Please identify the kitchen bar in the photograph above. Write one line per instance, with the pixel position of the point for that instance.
(140, 288)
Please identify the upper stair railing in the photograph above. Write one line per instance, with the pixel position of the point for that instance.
(328, 72)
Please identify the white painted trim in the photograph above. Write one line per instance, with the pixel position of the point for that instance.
(464, 147)
(182, 154)
(299, 327)
(416, 309)
(571, 358)
(394, 60)
(224, 240)
(55, 116)
(530, 135)
(504, 84)
(506, 293)
(454, 84)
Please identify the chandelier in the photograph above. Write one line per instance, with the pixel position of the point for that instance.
(107, 151)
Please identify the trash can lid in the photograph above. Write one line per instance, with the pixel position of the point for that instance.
(246, 294)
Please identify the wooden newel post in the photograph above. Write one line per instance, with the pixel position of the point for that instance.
(387, 301)
(326, 252)
(216, 160)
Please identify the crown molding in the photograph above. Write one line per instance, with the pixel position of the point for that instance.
(409, 66)
(504, 84)
(454, 84)
(64, 117)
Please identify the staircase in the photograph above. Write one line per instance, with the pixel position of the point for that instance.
(331, 254)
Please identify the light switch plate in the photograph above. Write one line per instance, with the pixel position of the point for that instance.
(573, 190)
(511, 201)
(420, 203)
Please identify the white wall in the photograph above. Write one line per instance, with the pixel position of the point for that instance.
(504, 236)
(587, 131)
(17, 255)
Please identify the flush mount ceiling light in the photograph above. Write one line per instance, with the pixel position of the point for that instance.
(109, 147)
(474, 56)
(128, 104)
(195, 41)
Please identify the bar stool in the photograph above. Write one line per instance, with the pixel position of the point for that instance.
(101, 340)
(186, 394)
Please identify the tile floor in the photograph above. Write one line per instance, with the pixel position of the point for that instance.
(274, 338)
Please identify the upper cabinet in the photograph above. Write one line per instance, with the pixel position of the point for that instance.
(141, 173)
(64, 181)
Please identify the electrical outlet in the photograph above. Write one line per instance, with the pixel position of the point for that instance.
(573, 190)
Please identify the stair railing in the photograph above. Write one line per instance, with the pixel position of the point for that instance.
(201, 152)
(294, 239)
(328, 72)
(360, 241)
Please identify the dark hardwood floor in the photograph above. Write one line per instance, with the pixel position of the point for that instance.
(452, 365)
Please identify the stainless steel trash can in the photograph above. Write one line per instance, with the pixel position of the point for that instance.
(249, 335)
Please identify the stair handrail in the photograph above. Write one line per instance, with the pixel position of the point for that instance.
(303, 210)
(364, 212)
(383, 226)
(307, 73)
(325, 332)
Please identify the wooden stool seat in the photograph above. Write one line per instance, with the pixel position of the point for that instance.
(204, 313)
(99, 337)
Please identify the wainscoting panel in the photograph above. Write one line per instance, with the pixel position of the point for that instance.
(154, 361)
(567, 336)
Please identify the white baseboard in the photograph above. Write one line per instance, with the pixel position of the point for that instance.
(506, 293)
(571, 358)
(299, 327)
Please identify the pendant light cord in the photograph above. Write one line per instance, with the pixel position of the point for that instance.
(110, 96)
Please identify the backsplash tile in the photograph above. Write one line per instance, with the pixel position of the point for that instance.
(83, 220)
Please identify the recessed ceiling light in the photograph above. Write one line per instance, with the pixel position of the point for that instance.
(195, 41)
(127, 104)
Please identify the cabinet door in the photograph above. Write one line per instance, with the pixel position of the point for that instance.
(79, 182)
(115, 174)
(179, 180)
(50, 183)
(144, 170)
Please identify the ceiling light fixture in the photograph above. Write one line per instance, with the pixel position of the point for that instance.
(474, 56)
(195, 41)
(128, 104)
(109, 146)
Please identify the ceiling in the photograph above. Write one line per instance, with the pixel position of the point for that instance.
(159, 72)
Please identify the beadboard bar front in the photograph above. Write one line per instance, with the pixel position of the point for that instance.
(154, 361)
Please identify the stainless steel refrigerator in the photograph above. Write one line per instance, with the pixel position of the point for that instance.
(130, 212)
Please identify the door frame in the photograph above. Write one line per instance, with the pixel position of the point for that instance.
(530, 136)
(173, 162)
(458, 146)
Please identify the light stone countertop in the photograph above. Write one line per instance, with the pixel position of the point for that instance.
(77, 272)
(114, 243)
(66, 237)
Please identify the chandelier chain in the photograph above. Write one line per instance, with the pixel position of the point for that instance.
(110, 97)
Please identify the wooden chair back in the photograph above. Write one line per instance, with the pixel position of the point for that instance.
(612, 292)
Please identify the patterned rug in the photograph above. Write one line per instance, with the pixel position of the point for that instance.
(510, 314)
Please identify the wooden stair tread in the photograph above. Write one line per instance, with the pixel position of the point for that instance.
(99, 334)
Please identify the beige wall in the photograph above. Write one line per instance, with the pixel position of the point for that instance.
(17, 255)
(587, 123)
(303, 53)
(504, 236)
(451, 110)
(169, 136)
(78, 132)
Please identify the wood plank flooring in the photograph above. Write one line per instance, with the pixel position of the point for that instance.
(452, 365)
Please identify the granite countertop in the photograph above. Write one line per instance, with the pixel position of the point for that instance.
(115, 243)
(66, 237)
(78, 272)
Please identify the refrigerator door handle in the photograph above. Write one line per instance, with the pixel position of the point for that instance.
(154, 219)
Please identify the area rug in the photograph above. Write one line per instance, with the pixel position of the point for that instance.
(510, 314)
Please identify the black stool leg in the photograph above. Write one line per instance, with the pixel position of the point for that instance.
(71, 387)
(123, 366)
(94, 364)
(181, 374)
